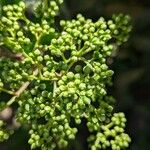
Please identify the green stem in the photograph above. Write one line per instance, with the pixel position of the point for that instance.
(12, 33)
(7, 91)
(11, 101)
(46, 79)
(39, 68)
(70, 65)
(38, 37)
(109, 125)
(27, 56)
(62, 55)
(82, 50)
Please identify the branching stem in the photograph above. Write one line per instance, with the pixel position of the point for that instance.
(7, 91)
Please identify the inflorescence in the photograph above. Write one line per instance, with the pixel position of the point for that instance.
(59, 76)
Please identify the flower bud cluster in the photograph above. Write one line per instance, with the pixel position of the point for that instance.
(111, 135)
(120, 23)
(62, 133)
(4, 133)
(13, 22)
(44, 28)
(48, 10)
(59, 78)
(12, 73)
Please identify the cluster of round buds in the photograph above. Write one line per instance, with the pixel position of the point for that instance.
(99, 116)
(121, 141)
(53, 129)
(11, 73)
(117, 24)
(4, 133)
(63, 74)
(50, 9)
(13, 22)
(89, 35)
(13, 12)
(22, 39)
(119, 119)
(38, 29)
(111, 135)
(11, 15)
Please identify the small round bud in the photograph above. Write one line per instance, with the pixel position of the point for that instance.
(22, 4)
(78, 68)
(82, 86)
(70, 75)
(37, 52)
(20, 33)
(62, 23)
(40, 58)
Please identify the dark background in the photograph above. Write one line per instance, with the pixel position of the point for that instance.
(131, 87)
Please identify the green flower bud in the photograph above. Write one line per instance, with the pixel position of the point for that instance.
(42, 86)
(70, 75)
(78, 68)
(62, 23)
(86, 100)
(40, 58)
(87, 69)
(20, 33)
(77, 81)
(22, 4)
(47, 108)
(71, 84)
(9, 13)
(60, 128)
(82, 86)
(71, 136)
(27, 40)
(37, 52)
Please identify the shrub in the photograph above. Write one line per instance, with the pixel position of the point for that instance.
(57, 76)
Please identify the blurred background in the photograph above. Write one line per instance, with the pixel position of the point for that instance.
(131, 64)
